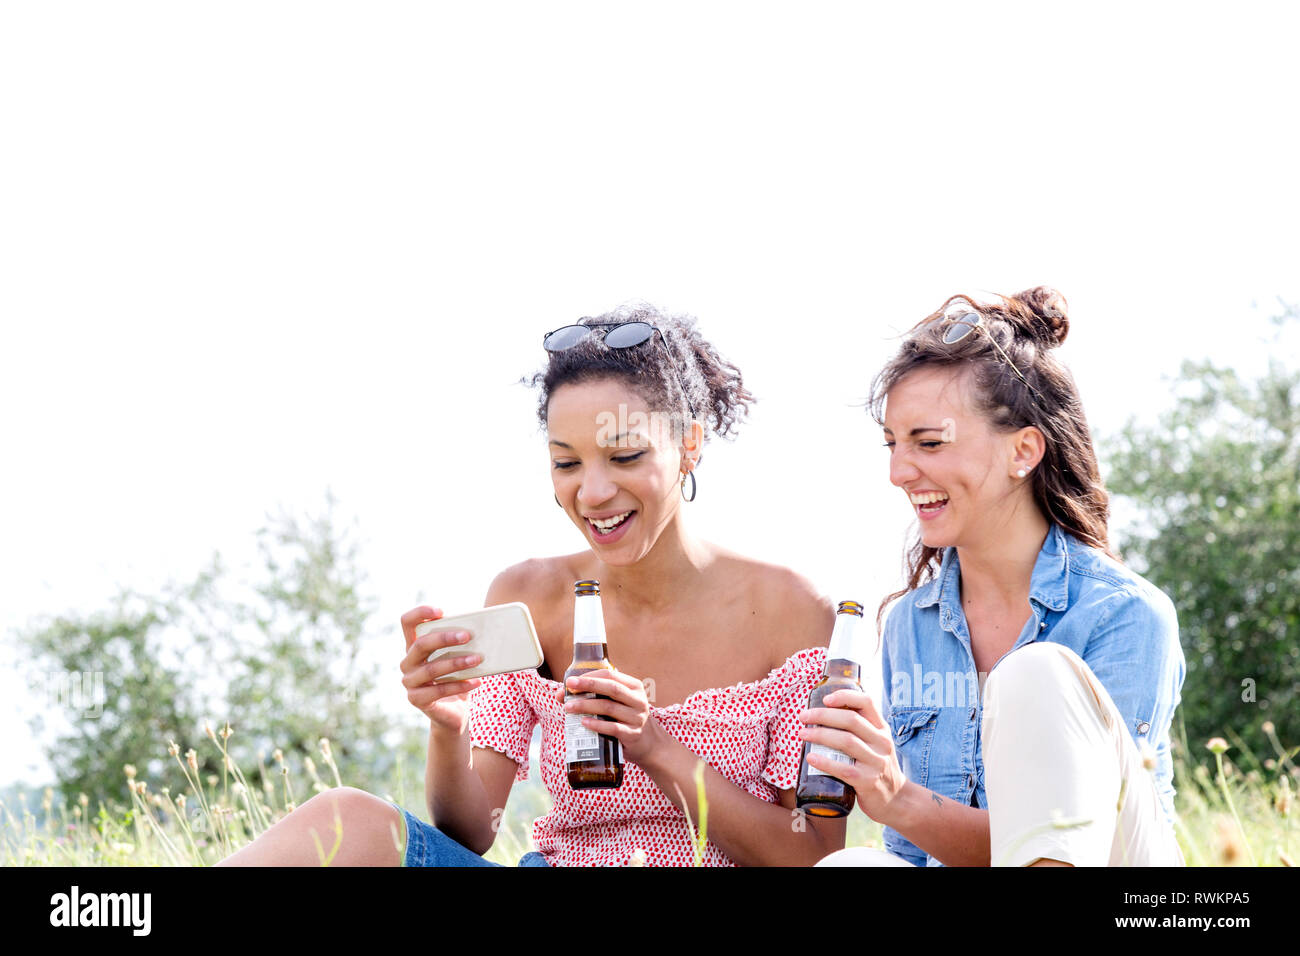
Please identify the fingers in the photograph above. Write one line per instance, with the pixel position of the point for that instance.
(596, 707)
(847, 772)
(414, 618)
(851, 721)
(419, 651)
(856, 700)
(845, 742)
(433, 670)
(426, 695)
(614, 684)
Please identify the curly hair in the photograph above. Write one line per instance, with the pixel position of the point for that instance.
(1017, 382)
(679, 373)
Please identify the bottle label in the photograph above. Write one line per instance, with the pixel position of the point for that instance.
(580, 744)
(829, 754)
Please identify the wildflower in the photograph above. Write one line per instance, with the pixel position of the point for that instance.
(83, 800)
(1282, 802)
(226, 731)
(1284, 857)
(1147, 754)
(238, 789)
(129, 770)
(310, 765)
(212, 780)
(172, 749)
(207, 729)
(192, 759)
(1229, 841)
(180, 802)
(76, 812)
(325, 748)
(637, 858)
(278, 756)
(125, 848)
(1268, 727)
(1216, 745)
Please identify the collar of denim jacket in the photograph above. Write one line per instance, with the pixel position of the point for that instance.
(1049, 584)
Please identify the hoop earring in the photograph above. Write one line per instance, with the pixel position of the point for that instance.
(690, 475)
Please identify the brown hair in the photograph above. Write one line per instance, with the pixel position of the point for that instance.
(1022, 330)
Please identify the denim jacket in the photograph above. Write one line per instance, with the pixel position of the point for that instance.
(1123, 627)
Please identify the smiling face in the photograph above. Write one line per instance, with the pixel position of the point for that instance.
(957, 471)
(615, 467)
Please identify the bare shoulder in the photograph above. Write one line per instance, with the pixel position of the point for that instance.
(534, 582)
(790, 612)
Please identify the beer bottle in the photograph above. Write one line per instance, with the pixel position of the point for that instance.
(594, 760)
(818, 792)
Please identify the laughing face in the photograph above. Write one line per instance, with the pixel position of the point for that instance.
(615, 467)
(957, 471)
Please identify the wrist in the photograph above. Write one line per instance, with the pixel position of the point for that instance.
(902, 812)
(664, 755)
(447, 739)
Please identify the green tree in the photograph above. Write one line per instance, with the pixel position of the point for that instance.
(280, 661)
(1215, 485)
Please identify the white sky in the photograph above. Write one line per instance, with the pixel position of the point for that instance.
(249, 251)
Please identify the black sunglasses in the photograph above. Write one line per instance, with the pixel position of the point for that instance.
(614, 335)
(963, 324)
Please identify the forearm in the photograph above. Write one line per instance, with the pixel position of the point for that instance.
(751, 831)
(454, 792)
(953, 834)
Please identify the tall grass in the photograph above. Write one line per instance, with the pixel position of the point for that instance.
(1234, 808)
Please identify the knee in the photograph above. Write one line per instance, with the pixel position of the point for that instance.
(862, 856)
(1034, 666)
(348, 803)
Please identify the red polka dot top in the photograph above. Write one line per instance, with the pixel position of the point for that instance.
(749, 733)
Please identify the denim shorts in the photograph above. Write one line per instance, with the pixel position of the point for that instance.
(426, 845)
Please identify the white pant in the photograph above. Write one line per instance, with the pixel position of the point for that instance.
(1064, 779)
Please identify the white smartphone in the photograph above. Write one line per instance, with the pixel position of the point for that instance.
(503, 634)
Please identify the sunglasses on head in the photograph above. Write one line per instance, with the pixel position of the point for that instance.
(614, 335)
(962, 324)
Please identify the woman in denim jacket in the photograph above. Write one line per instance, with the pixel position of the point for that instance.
(1062, 756)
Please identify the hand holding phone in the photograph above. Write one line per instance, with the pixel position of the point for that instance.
(503, 637)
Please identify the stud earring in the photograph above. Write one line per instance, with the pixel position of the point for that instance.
(1021, 473)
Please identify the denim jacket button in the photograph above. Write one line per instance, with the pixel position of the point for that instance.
(970, 780)
(1143, 727)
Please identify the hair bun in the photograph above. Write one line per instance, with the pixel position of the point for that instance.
(1048, 313)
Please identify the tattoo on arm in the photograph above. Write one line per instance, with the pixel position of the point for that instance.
(937, 801)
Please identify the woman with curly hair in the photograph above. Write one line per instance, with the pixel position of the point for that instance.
(729, 646)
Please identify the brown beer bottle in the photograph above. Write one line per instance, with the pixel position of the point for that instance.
(595, 761)
(818, 793)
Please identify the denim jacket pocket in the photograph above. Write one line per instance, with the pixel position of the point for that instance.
(913, 729)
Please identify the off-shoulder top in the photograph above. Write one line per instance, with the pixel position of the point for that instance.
(749, 733)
